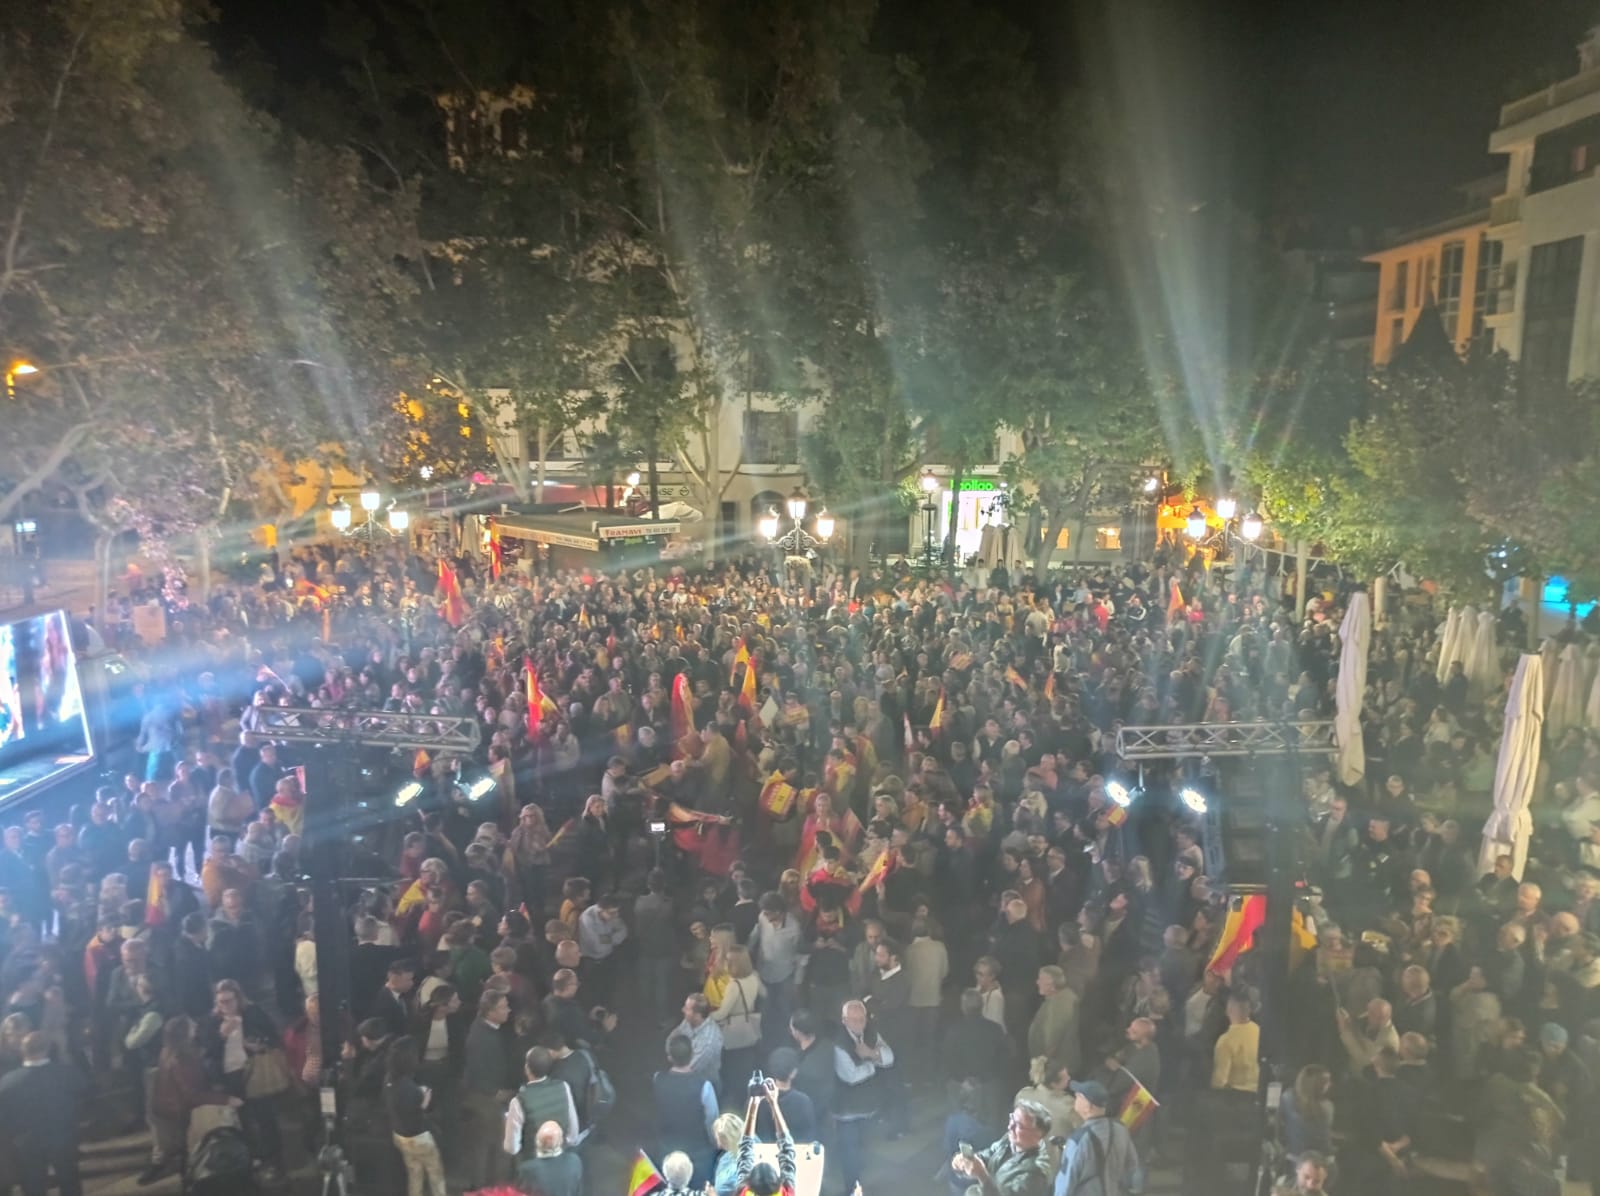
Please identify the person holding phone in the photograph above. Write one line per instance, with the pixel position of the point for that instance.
(1016, 1164)
(763, 1179)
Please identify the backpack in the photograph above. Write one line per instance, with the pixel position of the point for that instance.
(602, 1095)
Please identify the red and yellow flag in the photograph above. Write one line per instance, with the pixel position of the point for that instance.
(1175, 603)
(1014, 677)
(643, 1178)
(451, 604)
(1245, 916)
(535, 698)
(565, 827)
(742, 657)
(584, 622)
(881, 867)
(936, 723)
(682, 707)
(1138, 1106)
(497, 551)
(420, 762)
(747, 691)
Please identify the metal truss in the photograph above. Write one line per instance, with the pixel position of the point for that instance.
(1188, 741)
(369, 728)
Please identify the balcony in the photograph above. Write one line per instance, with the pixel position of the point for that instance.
(1551, 97)
(1505, 209)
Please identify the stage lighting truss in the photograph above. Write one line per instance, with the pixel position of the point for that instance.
(1193, 741)
(434, 733)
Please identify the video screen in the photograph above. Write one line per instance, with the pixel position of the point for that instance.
(41, 697)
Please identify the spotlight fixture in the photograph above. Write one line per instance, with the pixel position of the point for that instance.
(1118, 792)
(407, 793)
(476, 783)
(1152, 484)
(1193, 799)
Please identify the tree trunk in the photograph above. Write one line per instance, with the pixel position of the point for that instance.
(1052, 535)
(955, 516)
(655, 482)
(102, 576)
(1302, 569)
(544, 453)
(1077, 536)
(202, 561)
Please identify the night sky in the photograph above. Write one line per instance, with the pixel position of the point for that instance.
(1352, 114)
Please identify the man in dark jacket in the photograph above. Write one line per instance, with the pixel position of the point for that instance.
(814, 1073)
(41, 1104)
(191, 968)
(977, 1049)
(487, 1082)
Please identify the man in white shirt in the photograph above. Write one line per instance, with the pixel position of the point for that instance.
(542, 1099)
(704, 1035)
(601, 931)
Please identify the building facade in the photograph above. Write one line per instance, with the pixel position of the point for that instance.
(1546, 222)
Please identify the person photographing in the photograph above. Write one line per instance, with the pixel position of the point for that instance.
(763, 1179)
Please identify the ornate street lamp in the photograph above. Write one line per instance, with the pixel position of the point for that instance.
(1227, 508)
(1196, 525)
(1250, 527)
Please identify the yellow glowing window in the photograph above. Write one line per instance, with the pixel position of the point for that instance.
(1108, 539)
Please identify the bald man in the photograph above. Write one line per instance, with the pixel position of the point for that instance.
(553, 1170)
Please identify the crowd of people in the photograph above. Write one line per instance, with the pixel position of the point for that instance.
(853, 834)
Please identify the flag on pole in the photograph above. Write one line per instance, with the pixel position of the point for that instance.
(1246, 915)
(1116, 815)
(1138, 1106)
(535, 698)
(584, 621)
(497, 551)
(452, 605)
(881, 867)
(936, 723)
(747, 691)
(1015, 678)
(420, 762)
(742, 657)
(644, 1178)
(565, 827)
(682, 707)
(1175, 603)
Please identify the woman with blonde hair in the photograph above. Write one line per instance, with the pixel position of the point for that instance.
(727, 1130)
(740, 1018)
(1048, 1081)
(722, 940)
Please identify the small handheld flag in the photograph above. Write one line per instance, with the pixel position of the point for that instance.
(643, 1178)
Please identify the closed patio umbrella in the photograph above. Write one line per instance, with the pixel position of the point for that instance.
(1447, 640)
(1482, 657)
(1355, 636)
(1566, 692)
(1510, 826)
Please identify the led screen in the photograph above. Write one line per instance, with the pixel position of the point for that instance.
(42, 723)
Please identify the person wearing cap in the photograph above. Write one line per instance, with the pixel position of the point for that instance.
(1018, 1163)
(1099, 1157)
(1564, 1078)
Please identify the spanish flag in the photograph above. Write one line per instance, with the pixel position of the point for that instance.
(682, 708)
(1116, 815)
(538, 704)
(936, 723)
(1138, 1106)
(497, 551)
(420, 762)
(881, 867)
(1175, 603)
(747, 691)
(155, 901)
(1015, 678)
(742, 657)
(561, 833)
(1245, 916)
(451, 604)
(583, 618)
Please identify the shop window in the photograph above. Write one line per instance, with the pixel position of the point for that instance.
(1108, 539)
(1064, 540)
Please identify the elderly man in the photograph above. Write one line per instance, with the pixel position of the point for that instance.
(552, 1170)
(1053, 1032)
(705, 1038)
(678, 1170)
(1017, 1164)
(1099, 1157)
(1375, 1032)
(858, 1055)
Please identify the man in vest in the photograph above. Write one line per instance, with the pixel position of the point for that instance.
(544, 1098)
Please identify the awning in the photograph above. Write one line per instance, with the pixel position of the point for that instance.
(583, 529)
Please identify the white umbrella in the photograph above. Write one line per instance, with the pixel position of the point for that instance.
(1355, 634)
(1566, 692)
(1482, 658)
(1591, 710)
(1447, 639)
(1550, 653)
(1510, 826)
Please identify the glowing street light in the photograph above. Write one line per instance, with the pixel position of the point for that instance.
(1196, 525)
(370, 498)
(797, 504)
(340, 516)
(1227, 508)
(929, 482)
(767, 525)
(824, 525)
(633, 478)
(1250, 527)
(1152, 484)
(399, 519)
(17, 369)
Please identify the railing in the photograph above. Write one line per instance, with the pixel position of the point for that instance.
(1505, 209)
(1551, 97)
(1193, 740)
(371, 728)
